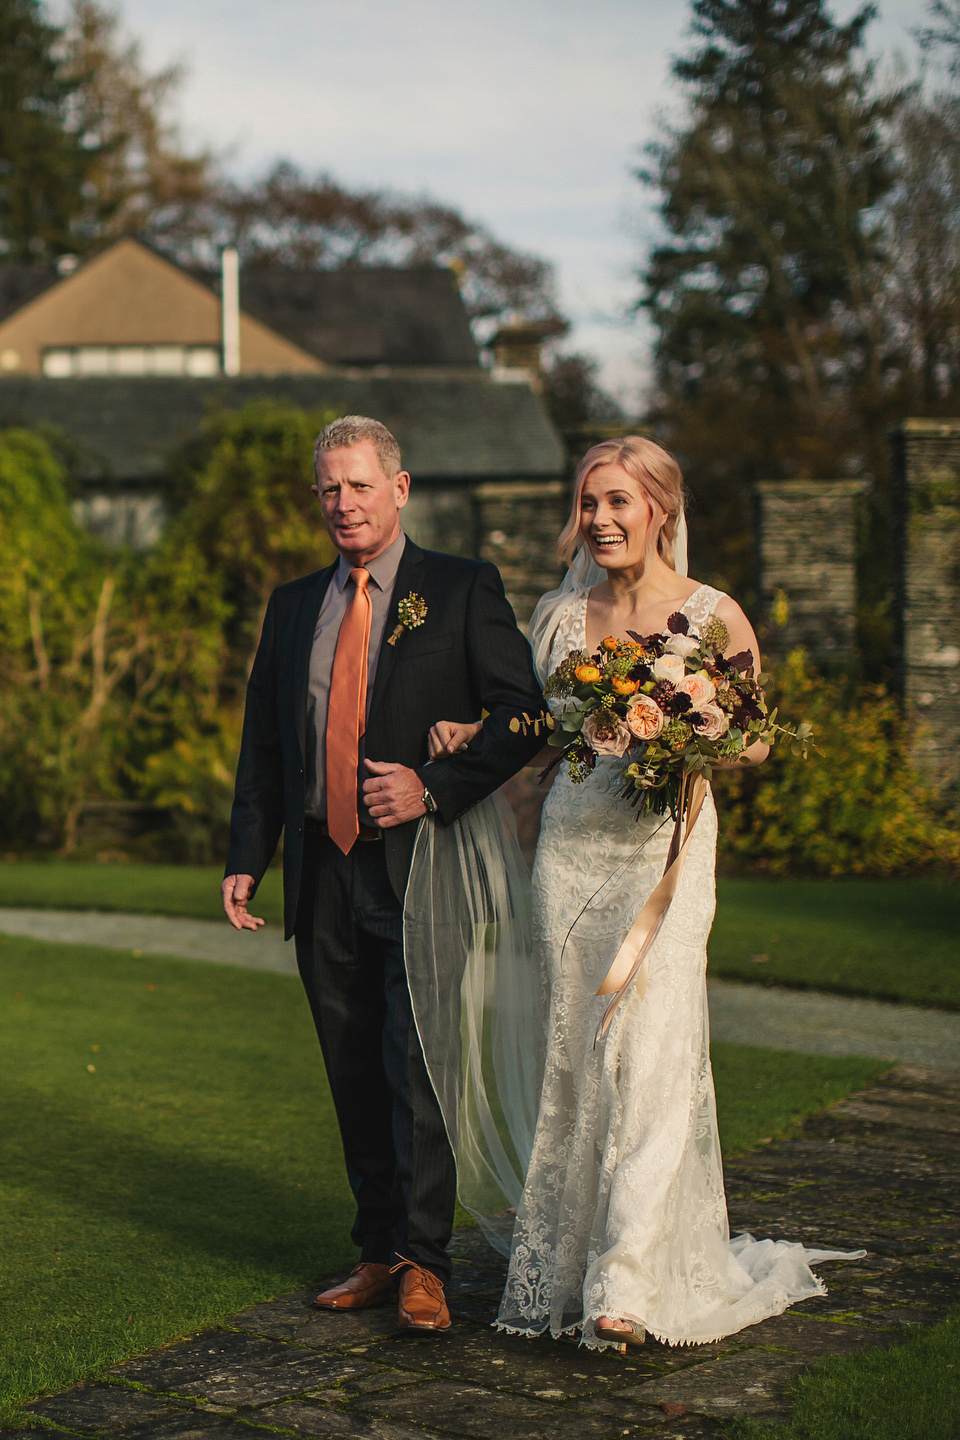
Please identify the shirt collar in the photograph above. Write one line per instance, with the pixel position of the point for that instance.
(383, 568)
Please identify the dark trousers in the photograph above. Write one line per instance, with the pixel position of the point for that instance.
(349, 940)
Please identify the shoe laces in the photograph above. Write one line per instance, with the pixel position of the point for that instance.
(430, 1282)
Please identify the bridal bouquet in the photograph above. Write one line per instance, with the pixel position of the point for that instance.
(673, 704)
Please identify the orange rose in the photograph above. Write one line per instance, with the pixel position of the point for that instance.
(625, 687)
(610, 643)
(587, 674)
(645, 719)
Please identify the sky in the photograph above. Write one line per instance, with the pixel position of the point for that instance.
(528, 115)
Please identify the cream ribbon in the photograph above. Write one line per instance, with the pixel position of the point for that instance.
(631, 961)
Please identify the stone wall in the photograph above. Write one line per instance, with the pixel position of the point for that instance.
(440, 517)
(927, 489)
(806, 544)
(517, 525)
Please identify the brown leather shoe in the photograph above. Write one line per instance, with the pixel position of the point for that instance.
(367, 1284)
(422, 1303)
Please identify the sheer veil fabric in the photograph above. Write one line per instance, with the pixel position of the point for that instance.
(479, 998)
(597, 1168)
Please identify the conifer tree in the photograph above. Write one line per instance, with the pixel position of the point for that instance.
(765, 293)
(43, 159)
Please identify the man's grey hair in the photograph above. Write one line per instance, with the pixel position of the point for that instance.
(350, 430)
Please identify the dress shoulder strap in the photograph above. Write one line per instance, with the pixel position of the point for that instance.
(700, 605)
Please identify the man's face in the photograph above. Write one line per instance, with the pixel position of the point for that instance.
(361, 507)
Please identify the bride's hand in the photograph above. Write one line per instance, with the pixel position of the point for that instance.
(448, 737)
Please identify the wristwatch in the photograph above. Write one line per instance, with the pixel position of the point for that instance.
(427, 800)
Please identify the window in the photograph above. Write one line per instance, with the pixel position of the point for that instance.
(197, 361)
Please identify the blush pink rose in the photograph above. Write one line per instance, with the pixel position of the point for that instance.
(615, 740)
(700, 688)
(644, 718)
(669, 667)
(717, 722)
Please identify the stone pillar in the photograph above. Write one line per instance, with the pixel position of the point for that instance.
(927, 492)
(440, 517)
(517, 524)
(806, 534)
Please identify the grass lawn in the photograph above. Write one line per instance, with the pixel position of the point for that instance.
(170, 1152)
(895, 939)
(188, 890)
(762, 1093)
(911, 1392)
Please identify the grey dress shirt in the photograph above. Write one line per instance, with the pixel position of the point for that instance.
(336, 602)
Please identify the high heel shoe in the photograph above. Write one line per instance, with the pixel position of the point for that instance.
(619, 1339)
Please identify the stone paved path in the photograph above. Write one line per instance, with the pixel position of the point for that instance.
(880, 1171)
(821, 1024)
(749, 1014)
(213, 940)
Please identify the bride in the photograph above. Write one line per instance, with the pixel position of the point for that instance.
(621, 1229)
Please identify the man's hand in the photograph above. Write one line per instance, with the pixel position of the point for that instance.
(394, 794)
(236, 891)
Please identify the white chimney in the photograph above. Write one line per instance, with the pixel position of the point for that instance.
(230, 309)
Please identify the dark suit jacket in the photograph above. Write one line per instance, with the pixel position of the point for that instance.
(468, 656)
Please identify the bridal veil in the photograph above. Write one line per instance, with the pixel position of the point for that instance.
(479, 1001)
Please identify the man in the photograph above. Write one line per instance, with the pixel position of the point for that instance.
(355, 664)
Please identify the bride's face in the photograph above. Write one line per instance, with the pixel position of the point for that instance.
(615, 518)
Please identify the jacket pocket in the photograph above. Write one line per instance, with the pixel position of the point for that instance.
(408, 649)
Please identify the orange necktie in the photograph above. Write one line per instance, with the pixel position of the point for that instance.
(347, 715)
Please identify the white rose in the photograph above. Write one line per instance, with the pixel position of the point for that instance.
(717, 722)
(699, 687)
(669, 667)
(682, 645)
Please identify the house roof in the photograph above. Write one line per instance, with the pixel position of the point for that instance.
(129, 294)
(364, 316)
(461, 427)
(20, 283)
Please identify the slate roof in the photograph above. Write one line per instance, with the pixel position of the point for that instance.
(20, 283)
(461, 427)
(364, 316)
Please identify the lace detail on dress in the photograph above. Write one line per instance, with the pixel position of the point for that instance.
(700, 605)
(623, 1211)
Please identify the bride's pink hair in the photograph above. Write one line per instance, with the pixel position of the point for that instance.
(655, 471)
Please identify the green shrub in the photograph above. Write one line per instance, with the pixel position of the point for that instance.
(859, 808)
(122, 675)
(102, 657)
(247, 507)
(248, 512)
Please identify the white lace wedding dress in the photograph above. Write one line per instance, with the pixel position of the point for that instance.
(623, 1211)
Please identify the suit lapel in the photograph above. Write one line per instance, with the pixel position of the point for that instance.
(410, 560)
(306, 625)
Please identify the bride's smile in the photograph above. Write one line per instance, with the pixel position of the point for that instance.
(615, 519)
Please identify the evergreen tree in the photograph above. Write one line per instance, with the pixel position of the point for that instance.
(765, 296)
(44, 159)
(139, 178)
(581, 409)
(923, 227)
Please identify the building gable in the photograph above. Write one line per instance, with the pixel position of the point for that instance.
(128, 300)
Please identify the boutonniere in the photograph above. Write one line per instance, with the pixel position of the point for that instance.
(411, 612)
